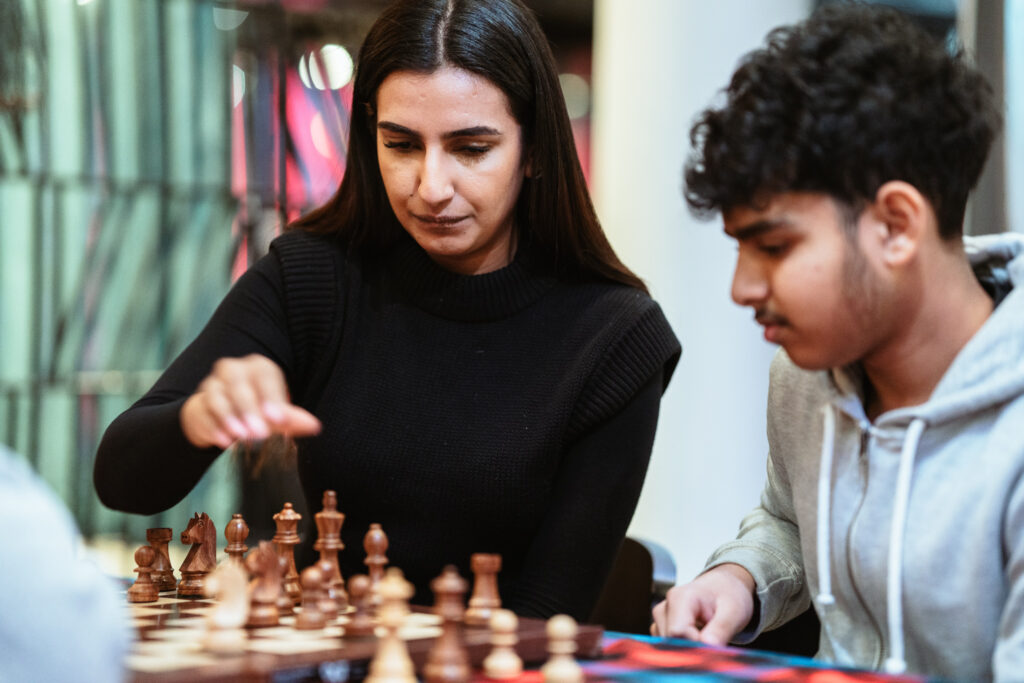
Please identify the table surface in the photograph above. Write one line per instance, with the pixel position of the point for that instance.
(627, 657)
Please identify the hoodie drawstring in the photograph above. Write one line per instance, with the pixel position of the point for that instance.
(825, 597)
(896, 662)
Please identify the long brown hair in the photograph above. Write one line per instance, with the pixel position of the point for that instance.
(501, 41)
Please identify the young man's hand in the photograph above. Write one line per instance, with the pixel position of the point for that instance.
(711, 609)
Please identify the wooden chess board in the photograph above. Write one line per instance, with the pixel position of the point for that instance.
(169, 633)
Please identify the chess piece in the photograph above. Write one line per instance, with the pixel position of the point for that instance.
(265, 565)
(286, 539)
(225, 621)
(328, 544)
(311, 617)
(328, 604)
(285, 603)
(236, 532)
(391, 663)
(201, 558)
(485, 598)
(447, 661)
(361, 621)
(561, 667)
(375, 543)
(144, 590)
(503, 663)
(163, 572)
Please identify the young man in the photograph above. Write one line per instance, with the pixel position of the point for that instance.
(841, 161)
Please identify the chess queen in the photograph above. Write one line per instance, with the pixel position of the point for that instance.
(450, 341)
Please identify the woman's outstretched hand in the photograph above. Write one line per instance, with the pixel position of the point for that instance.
(243, 399)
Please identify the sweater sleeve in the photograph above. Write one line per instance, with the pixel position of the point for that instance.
(144, 463)
(593, 500)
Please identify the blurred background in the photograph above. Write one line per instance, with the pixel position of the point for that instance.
(151, 149)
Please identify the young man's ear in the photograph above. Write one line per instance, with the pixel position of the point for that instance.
(904, 217)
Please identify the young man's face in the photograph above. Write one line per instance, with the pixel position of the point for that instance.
(805, 274)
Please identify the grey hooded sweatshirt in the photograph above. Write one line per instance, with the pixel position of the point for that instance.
(908, 533)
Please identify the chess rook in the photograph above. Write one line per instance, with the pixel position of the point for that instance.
(485, 597)
(163, 572)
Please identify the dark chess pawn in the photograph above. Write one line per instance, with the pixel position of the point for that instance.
(485, 597)
(163, 571)
(361, 621)
(285, 603)
(328, 602)
(311, 617)
(265, 567)
(447, 661)
(144, 590)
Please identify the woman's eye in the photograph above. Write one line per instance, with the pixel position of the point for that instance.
(395, 144)
(475, 150)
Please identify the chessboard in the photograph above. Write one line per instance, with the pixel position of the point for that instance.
(169, 636)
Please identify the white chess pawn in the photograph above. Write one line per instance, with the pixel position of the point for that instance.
(224, 623)
(503, 662)
(391, 663)
(561, 667)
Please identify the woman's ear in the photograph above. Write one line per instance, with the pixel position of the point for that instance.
(530, 169)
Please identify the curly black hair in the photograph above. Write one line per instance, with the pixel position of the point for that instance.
(841, 103)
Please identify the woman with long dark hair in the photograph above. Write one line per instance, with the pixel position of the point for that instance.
(450, 340)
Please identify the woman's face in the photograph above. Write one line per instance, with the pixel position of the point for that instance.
(451, 156)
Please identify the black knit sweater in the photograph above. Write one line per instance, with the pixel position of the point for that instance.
(508, 412)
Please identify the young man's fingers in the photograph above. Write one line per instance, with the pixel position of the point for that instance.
(678, 615)
(727, 620)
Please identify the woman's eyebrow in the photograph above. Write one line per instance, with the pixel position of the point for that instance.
(472, 131)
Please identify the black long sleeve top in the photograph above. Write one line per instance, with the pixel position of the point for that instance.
(509, 412)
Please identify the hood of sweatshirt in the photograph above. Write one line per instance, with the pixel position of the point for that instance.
(988, 371)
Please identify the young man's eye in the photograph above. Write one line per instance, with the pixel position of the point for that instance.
(773, 249)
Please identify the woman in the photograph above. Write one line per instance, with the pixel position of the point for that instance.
(450, 339)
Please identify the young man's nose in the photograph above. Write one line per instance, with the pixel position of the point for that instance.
(749, 285)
